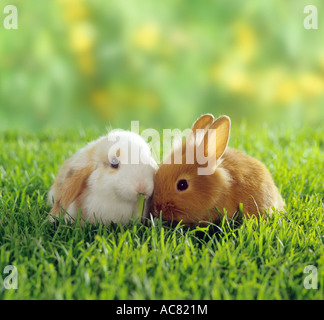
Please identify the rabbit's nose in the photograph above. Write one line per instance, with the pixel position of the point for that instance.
(167, 210)
(141, 189)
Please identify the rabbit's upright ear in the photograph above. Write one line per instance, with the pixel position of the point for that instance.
(202, 123)
(217, 136)
(74, 183)
(215, 142)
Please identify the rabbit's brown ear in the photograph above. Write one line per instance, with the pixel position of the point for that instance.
(203, 122)
(214, 144)
(75, 181)
(217, 141)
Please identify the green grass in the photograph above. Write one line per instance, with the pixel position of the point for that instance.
(256, 260)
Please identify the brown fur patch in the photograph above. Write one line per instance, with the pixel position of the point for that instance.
(71, 189)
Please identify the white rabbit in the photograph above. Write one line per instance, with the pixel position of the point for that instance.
(104, 179)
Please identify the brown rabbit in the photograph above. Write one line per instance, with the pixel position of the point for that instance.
(181, 192)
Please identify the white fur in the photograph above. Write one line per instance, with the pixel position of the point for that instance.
(110, 195)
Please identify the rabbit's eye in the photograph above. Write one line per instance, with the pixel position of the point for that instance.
(114, 163)
(182, 185)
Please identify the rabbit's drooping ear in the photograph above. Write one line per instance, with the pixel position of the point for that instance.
(214, 143)
(73, 185)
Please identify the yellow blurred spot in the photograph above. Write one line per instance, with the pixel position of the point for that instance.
(99, 97)
(287, 91)
(277, 85)
(74, 10)
(321, 60)
(233, 72)
(82, 37)
(101, 103)
(152, 101)
(146, 37)
(86, 63)
(233, 77)
(245, 41)
(76, 13)
(311, 84)
(239, 82)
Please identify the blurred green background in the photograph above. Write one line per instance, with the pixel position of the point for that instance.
(98, 62)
